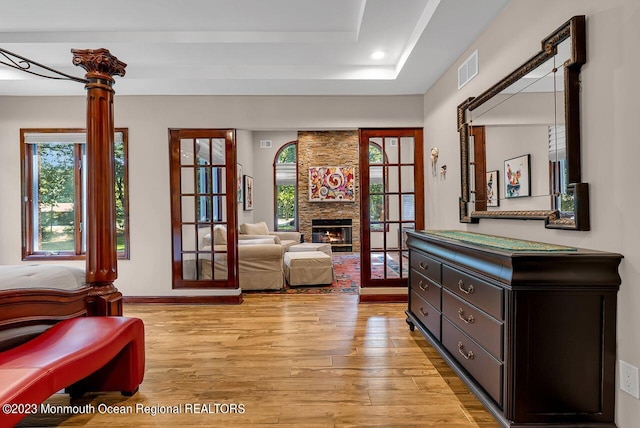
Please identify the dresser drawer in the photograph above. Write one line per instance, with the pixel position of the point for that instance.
(479, 293)
(485, 369)
(484, 329)
(426, 288)
(426, 313)
(426, 266)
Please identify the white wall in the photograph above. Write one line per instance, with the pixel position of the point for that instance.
(508, 142)
(263, 171)
(244, 152)
(16, 113)
(610, 151)
(148, 273)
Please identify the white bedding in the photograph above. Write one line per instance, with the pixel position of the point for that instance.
(41, 276)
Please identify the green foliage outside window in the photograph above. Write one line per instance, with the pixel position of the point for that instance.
(286, 206)
(288, 154)
(57, 168)
(376, 197)
(375, 153)
(120, 195)
(56, 196)
(376, 205)
(286, 192)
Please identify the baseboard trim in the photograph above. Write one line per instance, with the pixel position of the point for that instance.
(383, 298)
(185, 300)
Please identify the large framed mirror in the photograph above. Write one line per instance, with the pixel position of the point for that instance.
(520, 139)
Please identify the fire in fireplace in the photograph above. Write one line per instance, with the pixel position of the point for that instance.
(336, 232)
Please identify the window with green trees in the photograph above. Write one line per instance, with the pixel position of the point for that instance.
(286, 187)
(54, 193)
(376, 187)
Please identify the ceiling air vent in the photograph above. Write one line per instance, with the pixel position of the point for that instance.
(468, 70)
(265, 144)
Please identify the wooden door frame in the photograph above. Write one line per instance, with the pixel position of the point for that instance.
(418, 161)
(175, 135)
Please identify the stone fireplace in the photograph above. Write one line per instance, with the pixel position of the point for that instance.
(327, 148)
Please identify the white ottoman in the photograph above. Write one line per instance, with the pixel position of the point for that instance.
(308, 268)
(311, 246)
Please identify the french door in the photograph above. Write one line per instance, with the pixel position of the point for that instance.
(203, 207)
(392, 198)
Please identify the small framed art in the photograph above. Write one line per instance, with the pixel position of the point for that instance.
(239, 183)
(493, 186)
(517, 177)
(248, 193)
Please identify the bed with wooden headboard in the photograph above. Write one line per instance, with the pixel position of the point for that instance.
(32, 299)
(25, 312)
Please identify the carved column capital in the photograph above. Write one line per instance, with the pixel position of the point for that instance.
(99, 63)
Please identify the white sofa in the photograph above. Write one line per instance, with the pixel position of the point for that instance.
(261, 231)
(260, 257)
(259, 266)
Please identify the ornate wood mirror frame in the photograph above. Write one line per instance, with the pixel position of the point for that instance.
(473, 209)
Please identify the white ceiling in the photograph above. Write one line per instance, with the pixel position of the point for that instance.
(245, 47)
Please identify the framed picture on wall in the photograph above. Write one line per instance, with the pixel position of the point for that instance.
(248, 193)
(517, 177)
(239, 183)
(493, 188)
(332, 184)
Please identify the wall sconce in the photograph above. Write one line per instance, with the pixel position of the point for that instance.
(434, 160)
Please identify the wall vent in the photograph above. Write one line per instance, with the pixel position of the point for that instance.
(265, 144)
(468, 70)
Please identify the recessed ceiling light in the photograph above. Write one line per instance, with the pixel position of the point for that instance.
(377, 55)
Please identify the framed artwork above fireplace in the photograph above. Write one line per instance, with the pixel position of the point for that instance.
(332, 184)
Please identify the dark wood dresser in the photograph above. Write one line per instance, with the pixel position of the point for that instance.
(529, 327)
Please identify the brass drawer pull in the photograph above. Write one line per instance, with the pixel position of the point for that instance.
(468, 320)
(423, 265)
(424, 286)
(468, 355)
(468, 290)
(424, 314)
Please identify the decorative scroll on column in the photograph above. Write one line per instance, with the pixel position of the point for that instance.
(101, 255)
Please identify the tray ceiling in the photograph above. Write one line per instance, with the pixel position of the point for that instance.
(246, 47)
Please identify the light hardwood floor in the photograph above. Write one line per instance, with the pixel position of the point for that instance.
(290, 361)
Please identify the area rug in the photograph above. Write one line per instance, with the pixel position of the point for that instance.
(346, 279)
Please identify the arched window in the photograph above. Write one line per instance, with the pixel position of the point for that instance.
(285, 170)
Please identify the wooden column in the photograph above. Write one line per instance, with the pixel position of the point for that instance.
(101, 256)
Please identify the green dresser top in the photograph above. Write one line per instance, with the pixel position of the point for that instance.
(501, 242)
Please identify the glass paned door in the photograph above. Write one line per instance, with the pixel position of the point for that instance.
(203, 212)
(392, 183)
